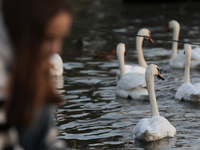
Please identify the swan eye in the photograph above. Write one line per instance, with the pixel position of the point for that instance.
(184, 52)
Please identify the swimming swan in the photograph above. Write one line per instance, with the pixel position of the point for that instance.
(131, 85)
(123, 69)
(142, 63)
(156, 127)
(178, 60)
(187, 91)
(56, 65)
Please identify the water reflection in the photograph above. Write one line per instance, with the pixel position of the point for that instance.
(163, 143)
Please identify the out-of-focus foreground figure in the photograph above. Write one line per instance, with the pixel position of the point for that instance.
(35, 29)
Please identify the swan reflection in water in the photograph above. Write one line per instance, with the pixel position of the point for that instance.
(156, 144)
(58, 82)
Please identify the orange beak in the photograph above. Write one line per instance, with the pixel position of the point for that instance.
(150, 39)
(159, 76)
(167, 30)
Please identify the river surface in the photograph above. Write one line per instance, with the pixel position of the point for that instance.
(91, 116)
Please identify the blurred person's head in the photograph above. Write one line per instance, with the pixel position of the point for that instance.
(36, 29)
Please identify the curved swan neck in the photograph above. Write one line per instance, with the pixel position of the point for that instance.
(187, 49)
(176, 31)
(151, 91)
(141, 59)
(120, 56)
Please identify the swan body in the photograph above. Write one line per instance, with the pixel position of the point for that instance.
(178, 60)
(196, 49)
(129, 69)
(142, 63)
(132, 84)
(187, 91)
(56, 65)
(156, 127)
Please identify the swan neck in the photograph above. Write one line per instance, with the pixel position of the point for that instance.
(121, 64)
(187, 68)
(141, 59)
(152, 96)
(175, 44)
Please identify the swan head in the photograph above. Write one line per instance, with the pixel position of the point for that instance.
(121, 51)
(172, 25)
(153, 70)
(147, 33)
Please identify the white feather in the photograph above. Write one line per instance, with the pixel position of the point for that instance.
(187, 91)
(57, 65)
(128, 69)
(178, 60)
(133, 85)
(156, 127)
(142, 63)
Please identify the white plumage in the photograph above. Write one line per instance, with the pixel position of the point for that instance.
(132, 84)
(142, 63)
(132, 79)
(187, 91)
(56, 65)
(177, 60)
(156, 127)
(129, 69)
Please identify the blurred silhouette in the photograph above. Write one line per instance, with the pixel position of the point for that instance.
(56, 65)
(36, 30)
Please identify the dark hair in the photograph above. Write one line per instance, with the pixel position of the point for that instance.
(30, 85)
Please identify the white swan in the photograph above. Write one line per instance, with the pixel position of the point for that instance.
(156, 127)
(56, 65)
(131, 85)
(123, 69)
(142, 63)
(187, 91)
(178, 60)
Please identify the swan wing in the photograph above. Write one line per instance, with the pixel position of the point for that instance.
(179, 60)
(197, 86)
(196, 49)
(195, 64)
(128, 68)
(195, 55)
(186, 92)
(153, 129)
(138, 69)
(131, 80)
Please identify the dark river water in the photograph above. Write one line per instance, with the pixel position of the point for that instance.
(91, 116)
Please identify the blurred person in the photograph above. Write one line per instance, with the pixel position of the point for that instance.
(36, 29)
